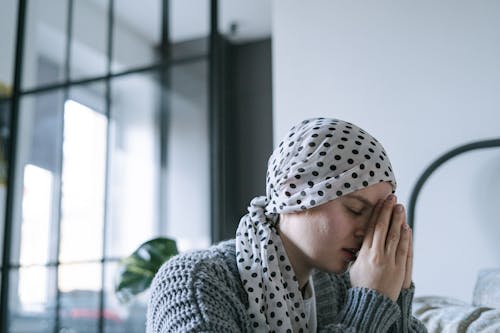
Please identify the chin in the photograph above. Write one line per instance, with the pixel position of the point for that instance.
(337, 268)
(342, 270)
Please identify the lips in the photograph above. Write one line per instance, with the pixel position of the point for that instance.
(351, 253)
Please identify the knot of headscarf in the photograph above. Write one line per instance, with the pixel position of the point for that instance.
(257, 209)
(266, 273)
(318, 161)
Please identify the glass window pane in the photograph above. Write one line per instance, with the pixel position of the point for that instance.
(36, 215)
(32, 300)
(136, 33)
(83, 182)
(189, 29)
(79, 287)
(134, 163)
(187, 201)
(44, 42)
(130, 317)
(91, 95)
(4, 144)
(89, 42)
(8, 25)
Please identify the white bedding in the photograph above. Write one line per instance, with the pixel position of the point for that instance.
(447, 315)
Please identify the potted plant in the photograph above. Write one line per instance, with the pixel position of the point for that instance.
(136, 272)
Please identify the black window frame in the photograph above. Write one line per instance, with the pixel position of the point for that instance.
(217, 128)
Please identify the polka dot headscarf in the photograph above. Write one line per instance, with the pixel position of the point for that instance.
(318, 161)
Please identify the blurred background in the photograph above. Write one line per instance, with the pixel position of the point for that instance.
(121, 121)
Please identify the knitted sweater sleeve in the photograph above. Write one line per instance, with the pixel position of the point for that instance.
(342, 308)
(195, 293)
(408, 323)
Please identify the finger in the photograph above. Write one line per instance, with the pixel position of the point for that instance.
(403, 246)
(409, 262)
(368, 240)
(382, 224)
(393, 235)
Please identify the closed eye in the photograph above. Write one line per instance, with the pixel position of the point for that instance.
(355, 212)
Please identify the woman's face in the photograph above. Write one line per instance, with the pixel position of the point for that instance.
(327, 236)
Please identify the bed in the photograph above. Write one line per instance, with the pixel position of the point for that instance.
(445, 314)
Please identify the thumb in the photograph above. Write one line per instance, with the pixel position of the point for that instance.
(368, 239)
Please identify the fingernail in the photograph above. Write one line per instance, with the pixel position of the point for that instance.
(406, 226)
(399, 208)
(390, 198)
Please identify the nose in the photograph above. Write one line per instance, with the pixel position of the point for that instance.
(359, 234)
(361, 229)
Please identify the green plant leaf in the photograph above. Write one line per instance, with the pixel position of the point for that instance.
(135, 272)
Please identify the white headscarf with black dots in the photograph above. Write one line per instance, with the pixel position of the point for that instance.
(318, 161)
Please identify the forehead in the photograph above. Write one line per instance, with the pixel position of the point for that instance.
(369, 196)
(372, 193)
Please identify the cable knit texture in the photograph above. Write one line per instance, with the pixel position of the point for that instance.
(202, 292)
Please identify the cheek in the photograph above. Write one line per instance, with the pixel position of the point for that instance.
(338, 229)
(324, 234)
(325, 230)
(310, 236)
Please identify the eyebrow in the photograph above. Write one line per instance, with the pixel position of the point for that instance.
(360, 198)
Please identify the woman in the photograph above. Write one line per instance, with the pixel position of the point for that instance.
(327, 249)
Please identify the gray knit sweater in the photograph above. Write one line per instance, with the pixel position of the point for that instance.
(202, 292)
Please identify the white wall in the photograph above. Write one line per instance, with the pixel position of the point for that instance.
(423, 77)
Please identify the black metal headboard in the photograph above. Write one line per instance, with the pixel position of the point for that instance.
(492, 143)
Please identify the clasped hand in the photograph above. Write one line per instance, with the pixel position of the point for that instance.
(385, 260)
